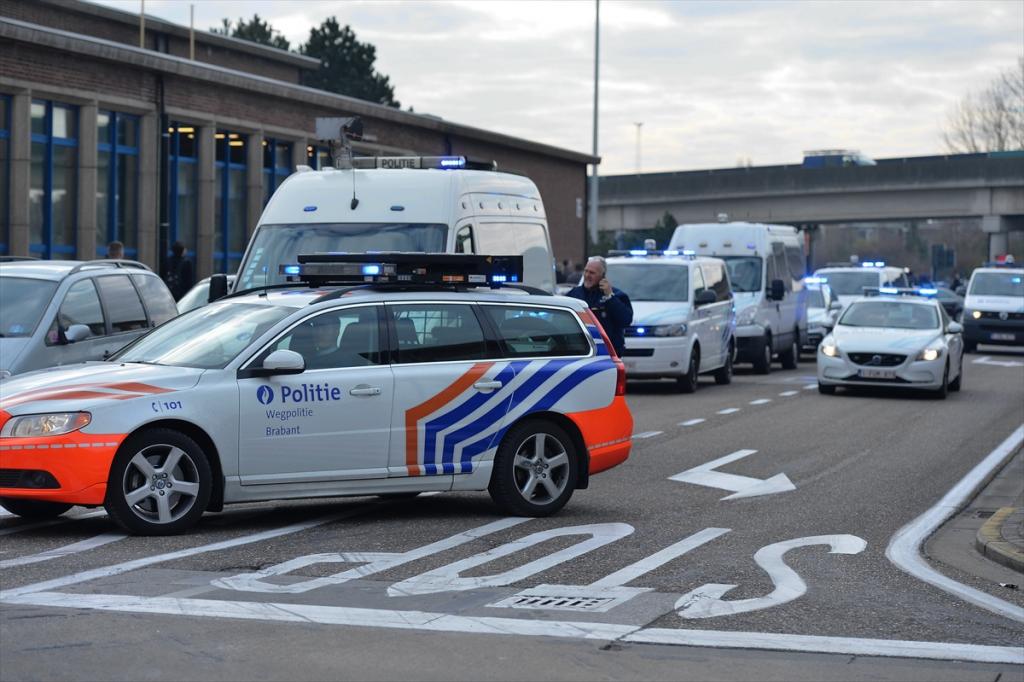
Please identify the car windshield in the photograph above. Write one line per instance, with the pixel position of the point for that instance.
(997, 284)
(744, 272)
(893, 314)
(815, 298)
(209, 337)
(650, 282)
(275, 245)
(851, 283)
(23, 301)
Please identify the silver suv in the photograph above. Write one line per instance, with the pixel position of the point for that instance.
(62, 312)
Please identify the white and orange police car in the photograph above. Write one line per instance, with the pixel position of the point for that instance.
(374, 374)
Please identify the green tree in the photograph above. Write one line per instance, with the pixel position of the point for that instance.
(257, 31)
(346, 65)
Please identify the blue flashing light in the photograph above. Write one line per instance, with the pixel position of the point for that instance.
(815, 280)
(888, 290)
(452, 162)
(640, 331)
(689, 252)
(499, 278)
(291, 269)
(371, 269)
(309, 209)
(515, 278)
(671, 252)
(1015, 280)
(928, 291)
(638, 252)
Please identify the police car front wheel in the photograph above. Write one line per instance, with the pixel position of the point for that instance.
(159, 484)
(535, 469)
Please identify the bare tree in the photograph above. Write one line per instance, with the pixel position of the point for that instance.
(992, 120)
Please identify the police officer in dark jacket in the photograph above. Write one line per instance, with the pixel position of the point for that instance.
(610, 305)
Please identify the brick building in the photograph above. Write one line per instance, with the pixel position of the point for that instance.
(101, 139)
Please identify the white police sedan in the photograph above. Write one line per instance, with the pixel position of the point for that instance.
(900, 338)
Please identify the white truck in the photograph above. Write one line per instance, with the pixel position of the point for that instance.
(766, 269)
(428, 204)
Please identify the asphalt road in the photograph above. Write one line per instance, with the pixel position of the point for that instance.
(642, 576)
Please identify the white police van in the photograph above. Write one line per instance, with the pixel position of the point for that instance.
(408, 204)
(847, 281)
(994, 306)
(683, 318)
(766, 269)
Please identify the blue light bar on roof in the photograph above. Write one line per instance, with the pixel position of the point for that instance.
(371, 269)
(670, 252)
(638, 252)
(499, 278)
(640, 331)
(928, 291)
(815, 280)
(290, 269)
(451, 162)
(689, 252)
(888, 290)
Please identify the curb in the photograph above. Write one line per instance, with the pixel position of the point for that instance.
(990, 542)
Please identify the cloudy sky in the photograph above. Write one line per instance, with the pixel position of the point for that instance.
(714, 84)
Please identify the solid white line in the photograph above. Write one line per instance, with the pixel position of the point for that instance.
(788, 393)
(57, 552)
(729, 410)
(760, 401)
(691, 422)
(904, 547)
(648, 434)
(440, 622)
(118, 569)
(830, 645)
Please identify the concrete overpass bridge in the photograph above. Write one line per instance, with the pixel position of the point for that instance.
(985, 186)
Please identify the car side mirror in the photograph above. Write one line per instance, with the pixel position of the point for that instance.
(77, 332)
(705, 297)
(776, 290)
(955, 328)
(283, 361)
(218, 287)
(835, 305)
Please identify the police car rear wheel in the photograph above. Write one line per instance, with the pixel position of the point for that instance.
(33, 509)
(535, 470)
(942, 391)
(159, 484)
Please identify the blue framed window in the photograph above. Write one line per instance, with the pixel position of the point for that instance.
(229, 201)
(117, 182)
(5, 172)
(277, 165)
(53, 184)
(183, 173)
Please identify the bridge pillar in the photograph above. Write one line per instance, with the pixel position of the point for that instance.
(997, 227)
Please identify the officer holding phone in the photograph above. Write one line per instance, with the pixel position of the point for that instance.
(610, 305)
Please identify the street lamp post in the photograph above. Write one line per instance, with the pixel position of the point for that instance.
(638, 125)
(593, 175)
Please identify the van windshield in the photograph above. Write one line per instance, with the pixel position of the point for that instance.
(997, 284)
(274, 245)
(744, 272)
(851, 283)
(651, 282)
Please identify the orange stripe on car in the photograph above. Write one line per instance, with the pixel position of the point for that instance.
(414, 414)
(132, 390)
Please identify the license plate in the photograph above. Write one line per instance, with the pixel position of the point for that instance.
(1003, 337)
(878, 374)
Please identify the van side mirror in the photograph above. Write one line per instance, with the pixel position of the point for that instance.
(77, 332)
(705, 297)
(776, 290)
(218, 287)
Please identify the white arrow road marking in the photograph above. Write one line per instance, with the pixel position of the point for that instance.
(761, 401)
(729, 410)
(648, 434)
(58, 552)
(786, 394)
(691, 422)
(706, 601)
(742, 486)
(987, 360)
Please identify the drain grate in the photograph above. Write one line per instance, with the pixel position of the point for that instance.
(556, 602)
(983, 514)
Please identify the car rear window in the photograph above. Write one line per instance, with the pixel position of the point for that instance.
(528, 331)
(157, 297)
(122, 303)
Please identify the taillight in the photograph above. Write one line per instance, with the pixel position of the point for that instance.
(620, 376)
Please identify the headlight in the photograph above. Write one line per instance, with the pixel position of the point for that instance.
(976, 314)
(929, 354)
(746, 316)
(668, 330)
(54, 424)
(829, 348)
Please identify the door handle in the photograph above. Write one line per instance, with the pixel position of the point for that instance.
(487, 385)
(365, 390)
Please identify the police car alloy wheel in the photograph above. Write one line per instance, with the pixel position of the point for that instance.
(33, 509)
(535, 469)
(160, 483)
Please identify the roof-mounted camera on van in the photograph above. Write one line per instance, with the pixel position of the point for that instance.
(404, 269)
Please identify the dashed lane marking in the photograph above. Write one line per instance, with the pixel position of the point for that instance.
(729, 410)
(810, 387)
(786, 394)
(691, 422)
(761, 401)
(648, 434)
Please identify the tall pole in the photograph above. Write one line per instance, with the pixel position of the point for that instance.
(593, 175)
(638, 125)
(142, 25)
(192, 32)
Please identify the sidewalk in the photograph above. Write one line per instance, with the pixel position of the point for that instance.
(1001, 537)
